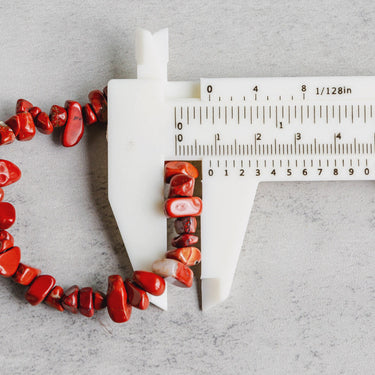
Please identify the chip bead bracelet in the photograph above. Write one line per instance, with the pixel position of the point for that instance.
(122, 295)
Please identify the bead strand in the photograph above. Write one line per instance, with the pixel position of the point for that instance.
(72, 117)
(121, 295)
(184, 207)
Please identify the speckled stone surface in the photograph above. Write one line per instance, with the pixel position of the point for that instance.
(303, 298)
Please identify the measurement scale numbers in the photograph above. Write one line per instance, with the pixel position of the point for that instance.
(313, 130)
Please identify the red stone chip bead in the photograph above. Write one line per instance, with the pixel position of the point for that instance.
(89, 115)
(55, 297)
(7, 215)
(86, 302)
(185, 240)
(99, 105)
(181, 185)
(34, 112)
(175, 269)
(40, 289)
(74, 128)
(179, 167)
(9, 173)
(25, 274)
(1, 194)
(22, 125)
(180, 207)
(9, 261)
(23, 105)
(43, 123)
(137, 297)
(70, 299)
(58, 116)
(185, 225)
(190, 256)
(6, 240)
(105, 92)
(6, 134)
(119, 309)
(150, 282)
(100, 301)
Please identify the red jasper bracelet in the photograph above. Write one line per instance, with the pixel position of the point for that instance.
(121, 295)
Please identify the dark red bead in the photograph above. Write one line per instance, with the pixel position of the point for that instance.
(23, 105)
(22, 125)
(55, 297)
(43, 123)
(100, 301)
(74, 128)
(181, 185)
(39, 289)
(118, 308)
(6, 134)
(150, 282)
(105, 92)
(9, 173)
(137, 297)
(185, 240)
(89, 114)
(7, 215)
(9, 261)
(185, 225)
(58, 116)
(1, 194)
(70, 299)
(25, 274)
(99, 105)
(179, 167)
(185, 206)
(34, 112)
(6, 240)
(86, 302)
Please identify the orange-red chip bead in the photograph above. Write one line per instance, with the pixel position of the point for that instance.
(55, 297)
(74, 128)
(119, 309)
(9, 261)
(86, 302)
(58, 116)
(34, 112)
(7, 215)
(23, 105)
(137, 297)
(25, 274)
(184, 240)
(100, 301)
(43, 123)
(181, 185)
(39, 289)
(6, 134)
(6, 240)
(9, 173)
(179, 167)
(180, 207)
(70, 299)
(150, 282)
(99, 105)
(22, 125)
(190, 256)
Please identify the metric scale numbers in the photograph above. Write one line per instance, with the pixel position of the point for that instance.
(281, 128)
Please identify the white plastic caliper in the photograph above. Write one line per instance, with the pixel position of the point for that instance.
(243, 131)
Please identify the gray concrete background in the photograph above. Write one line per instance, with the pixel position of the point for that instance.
(303, 297)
